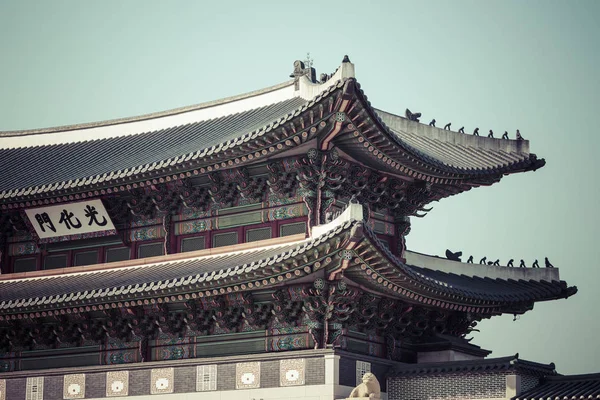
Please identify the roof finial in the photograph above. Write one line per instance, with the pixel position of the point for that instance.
(346, 59)
(309, 61)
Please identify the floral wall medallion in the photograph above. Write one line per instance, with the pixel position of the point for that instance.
(117, 383)
(74, 386)
(247, 375)
(161, 380)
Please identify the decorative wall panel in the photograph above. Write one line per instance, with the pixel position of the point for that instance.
(291, 372)
(247, 375)
(74, 386)
(117, 383)
(161, 381)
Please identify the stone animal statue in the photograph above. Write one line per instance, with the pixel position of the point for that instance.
(368, 389)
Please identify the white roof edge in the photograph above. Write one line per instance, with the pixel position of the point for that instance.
(149, 122)
(480, 270)
(308, 90)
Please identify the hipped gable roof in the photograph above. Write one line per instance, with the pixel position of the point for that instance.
(259, 124)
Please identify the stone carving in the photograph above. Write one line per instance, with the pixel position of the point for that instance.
(368, 389)
(412, 116)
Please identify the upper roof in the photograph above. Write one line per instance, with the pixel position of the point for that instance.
(573, 387)
(260, 125)
(215, 271)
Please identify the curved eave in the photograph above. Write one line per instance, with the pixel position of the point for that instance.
(282, 134)
(350, 248)
(379, 270)
(368, 138)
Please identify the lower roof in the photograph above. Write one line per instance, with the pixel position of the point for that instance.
(239, 268)
(573, 387)
(510, 363)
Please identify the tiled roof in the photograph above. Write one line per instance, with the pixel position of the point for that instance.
(71, 161)
(572, 387)
(151, 279)
(511, 363)
(505, 291)
(206, 271)
(457, 152)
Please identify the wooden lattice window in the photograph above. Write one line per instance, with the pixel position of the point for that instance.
(85, 258)
(151, 250)
(252, 235)
(193, 243)
(292, 229)
(117, 254)
(225, 239)
(25, 264)
(53, 261)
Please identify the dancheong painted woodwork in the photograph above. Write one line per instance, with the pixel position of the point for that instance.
(269, 222)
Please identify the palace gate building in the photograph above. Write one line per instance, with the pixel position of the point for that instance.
(253, 248)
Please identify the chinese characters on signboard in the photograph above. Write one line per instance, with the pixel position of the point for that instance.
(70, 219)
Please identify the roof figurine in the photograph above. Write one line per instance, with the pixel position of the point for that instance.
(461, 130)
(470, 260)
(547, 262)
(447, 126)
(505, 135)
(490, 134)
(454, 256)
(535, 264)
(510, 263)
(522, 264)
(432, 122)
(412, 116)
(483, 260)
(519, 137)
(476, 132)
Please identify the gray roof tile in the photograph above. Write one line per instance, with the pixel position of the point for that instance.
(104, 156)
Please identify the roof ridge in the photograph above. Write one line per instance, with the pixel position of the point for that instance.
(142, 117)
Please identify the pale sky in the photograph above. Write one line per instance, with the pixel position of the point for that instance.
(495, 65)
